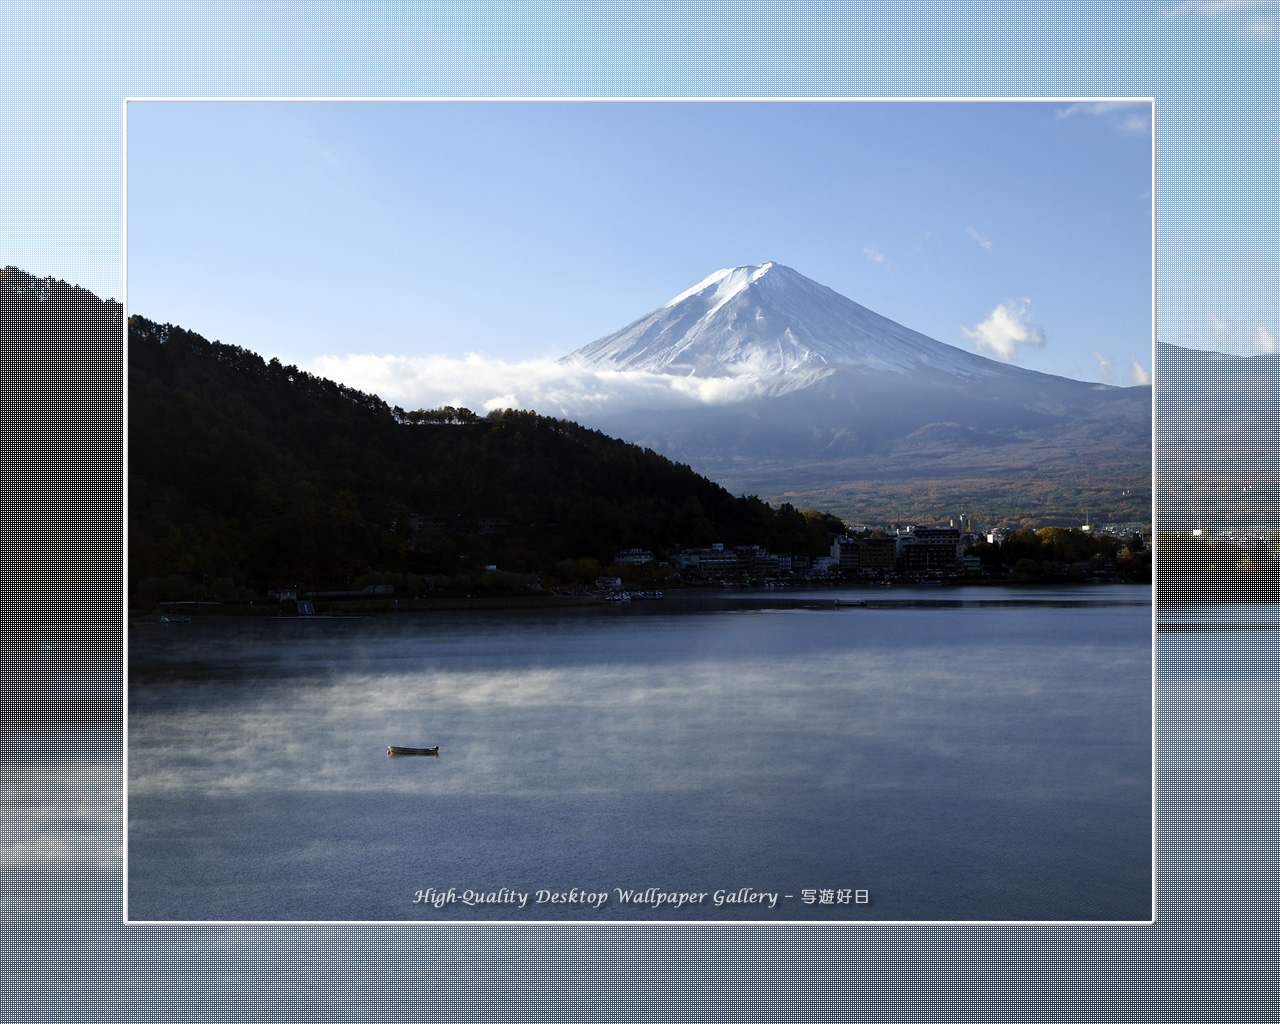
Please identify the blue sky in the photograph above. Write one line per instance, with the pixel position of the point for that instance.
(520, 231)
(66, 69)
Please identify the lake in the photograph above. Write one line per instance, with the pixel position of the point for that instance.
(957, 754)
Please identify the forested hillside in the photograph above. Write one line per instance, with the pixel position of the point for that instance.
(245, 473)
(62, 425)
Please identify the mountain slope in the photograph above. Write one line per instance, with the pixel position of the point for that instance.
(256, 474)
(62, 432)
(1219, 432)
(768, 321)
(871, 418)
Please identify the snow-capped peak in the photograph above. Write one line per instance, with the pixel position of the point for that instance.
(727, 283)
(769, 321)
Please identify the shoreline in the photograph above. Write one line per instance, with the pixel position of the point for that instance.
(372, 608)
(381, 606)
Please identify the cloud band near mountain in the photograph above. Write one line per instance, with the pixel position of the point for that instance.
(547, 386)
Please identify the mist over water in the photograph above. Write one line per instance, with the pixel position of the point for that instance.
(968, 759)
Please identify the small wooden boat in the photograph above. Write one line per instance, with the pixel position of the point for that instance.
(407, 751)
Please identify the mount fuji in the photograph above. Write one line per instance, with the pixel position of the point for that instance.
(838, 405)
(774, 324)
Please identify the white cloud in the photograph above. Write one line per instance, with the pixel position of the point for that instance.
(324, 153)
(1138, 374)
(545, 385)
(1261, 27)
(1006, 330)
(1106, 367)
(1211, 8)
(1132, 117)
(1135, 124)
(1264, 340)
(980, 239)
(1221, 333)
(874, 255)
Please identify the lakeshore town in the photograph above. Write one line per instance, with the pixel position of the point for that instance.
(916, 554)
(939, 555)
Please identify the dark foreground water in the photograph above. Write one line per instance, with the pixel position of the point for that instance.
(957, 755)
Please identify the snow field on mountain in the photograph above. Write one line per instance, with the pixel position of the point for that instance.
(767, 321)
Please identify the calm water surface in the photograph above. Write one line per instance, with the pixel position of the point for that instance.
(961, 754)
